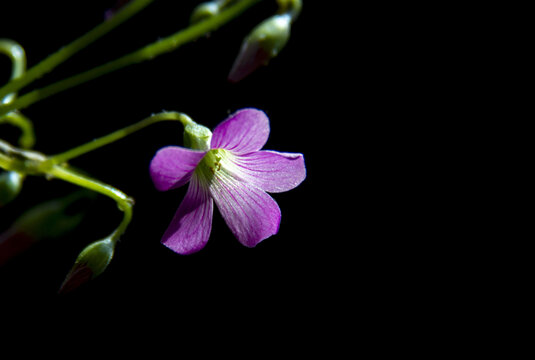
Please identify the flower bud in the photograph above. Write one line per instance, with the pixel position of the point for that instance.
(10, 186)
(205, 11)
(197, 137)
(91, 262)
(262, 44)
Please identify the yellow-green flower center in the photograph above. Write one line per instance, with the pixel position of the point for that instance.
(213, 162)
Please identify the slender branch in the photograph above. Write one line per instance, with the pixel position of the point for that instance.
(148, 52)
(119, 134)
(18, 59)
(66, 52)
(27, 137)
(30, 162)
(23, 161)
(124, 202)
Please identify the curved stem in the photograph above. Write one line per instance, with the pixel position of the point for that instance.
(18, 59)
(66, 52)
(119, 134)
(15, 118)
(148, 52)
(124, 202)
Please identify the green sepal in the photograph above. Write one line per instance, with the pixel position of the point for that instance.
(197, 137)
(271, 34)
(96, 256)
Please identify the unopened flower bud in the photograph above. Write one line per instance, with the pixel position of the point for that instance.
(205, 11)
(91, 262)
(10, 186)
(263, 43)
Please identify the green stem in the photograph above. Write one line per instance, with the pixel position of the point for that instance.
(148, 52)
(119, 134)
(66, 52)
(18, 59)
(124, 202)
(5, 161)
(27, 137)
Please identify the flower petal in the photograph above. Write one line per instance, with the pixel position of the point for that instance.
(245, 131)
(250, 213)
(173, 166)
(271, 171)
(190, 228)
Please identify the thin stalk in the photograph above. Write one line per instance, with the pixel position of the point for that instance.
(148, 52)
(119, 134)
(18, 59)
(124, 202)
(27, 137)
(66, 52)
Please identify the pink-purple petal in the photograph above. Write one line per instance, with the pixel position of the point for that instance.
(191, 226)
(272, 171)
(250, 213)
(173, 166)
(245, 131)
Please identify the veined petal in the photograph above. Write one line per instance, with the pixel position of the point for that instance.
(271, 171)
(250, 213)
(245, 131)
(173, 166)
(190, 228)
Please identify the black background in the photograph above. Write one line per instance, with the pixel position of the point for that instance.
(342, 92)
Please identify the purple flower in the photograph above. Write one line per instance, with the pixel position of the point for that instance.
(234, 173)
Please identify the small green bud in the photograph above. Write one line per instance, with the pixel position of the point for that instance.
(197, 137)
(272, 34)
(91, 262)
(10, 186)
(205, 11)
(263, 43)
(96, 256)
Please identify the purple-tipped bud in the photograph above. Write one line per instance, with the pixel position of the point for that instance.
(91, 262)
(263, 43)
